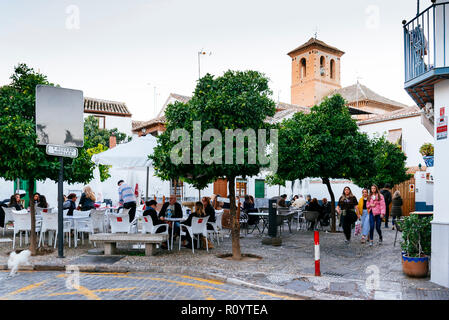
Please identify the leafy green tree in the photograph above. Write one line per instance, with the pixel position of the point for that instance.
(323, 144)
(236, 100)
(387, 166)
(94, 136)
(21, 157)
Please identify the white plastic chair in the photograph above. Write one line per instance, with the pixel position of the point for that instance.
(199, 226)
(8, 217)
(148, 227)
(22, 222)
(215, 225)
(98, 219)
(50, 223)
(120, 223)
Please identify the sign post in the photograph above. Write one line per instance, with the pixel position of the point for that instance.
(61, 135)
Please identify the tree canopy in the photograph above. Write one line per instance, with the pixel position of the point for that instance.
(324, 143)
(236, 100)
(21, 157)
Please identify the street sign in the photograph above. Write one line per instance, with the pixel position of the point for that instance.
(59, 116)
(61, 151)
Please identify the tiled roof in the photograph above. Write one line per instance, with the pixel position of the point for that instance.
(171, 97)
(92, 105)
(315, 42)
(398, 114)
(363, 93)
(136, 124)
(145, 124)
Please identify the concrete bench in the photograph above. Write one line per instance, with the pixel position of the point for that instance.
(110, 241)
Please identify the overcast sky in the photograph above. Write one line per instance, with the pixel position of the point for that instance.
(118, 50)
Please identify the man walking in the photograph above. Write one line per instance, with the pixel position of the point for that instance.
(387, 196)
(127, 199)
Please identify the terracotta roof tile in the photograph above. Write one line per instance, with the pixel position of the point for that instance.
(92, 105)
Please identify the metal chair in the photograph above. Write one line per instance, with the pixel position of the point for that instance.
(312, 216)
(398, 228)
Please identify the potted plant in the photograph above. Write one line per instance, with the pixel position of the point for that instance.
(416, 245)
(427, 152)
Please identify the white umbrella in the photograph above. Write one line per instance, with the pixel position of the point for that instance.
(133, 154)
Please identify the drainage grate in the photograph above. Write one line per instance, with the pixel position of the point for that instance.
(333, 274)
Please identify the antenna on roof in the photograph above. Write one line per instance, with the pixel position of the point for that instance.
(316, 32)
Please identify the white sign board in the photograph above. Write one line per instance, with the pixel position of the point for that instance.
(59, 116)
(61, 151)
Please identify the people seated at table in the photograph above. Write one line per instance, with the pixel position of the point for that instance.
(174, 206)
(314, 206)
(282, 201)
(197, 212)
(215, 203)
(326, 212)
(152, 213)
(87, 201)
(70, 204)
(15, 202)
(42, 202)
(308, 199)
(299, 202)
(209, 211)
(248, 207)
(36, 198)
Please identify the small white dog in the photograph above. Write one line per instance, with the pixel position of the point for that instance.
(17, 259)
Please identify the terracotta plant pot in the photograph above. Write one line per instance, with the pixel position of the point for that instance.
(415, 267)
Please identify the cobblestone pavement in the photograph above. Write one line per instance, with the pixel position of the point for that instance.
(35, 285)
(347, 270)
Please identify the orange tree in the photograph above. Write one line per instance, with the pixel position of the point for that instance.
(20, 155)
(236, 100)
(323, 144)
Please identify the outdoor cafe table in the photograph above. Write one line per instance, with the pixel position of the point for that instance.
(264, 216)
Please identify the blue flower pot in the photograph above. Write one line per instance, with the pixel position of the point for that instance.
(428, 160)
(415, 267)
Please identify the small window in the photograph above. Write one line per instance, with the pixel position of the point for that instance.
(322, 66)
(101, 122)
(332, 69)
(303, 68)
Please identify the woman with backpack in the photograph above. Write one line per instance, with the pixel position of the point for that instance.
(376, 208)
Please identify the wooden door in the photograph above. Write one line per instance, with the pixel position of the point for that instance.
(408, 196)
(221, 187)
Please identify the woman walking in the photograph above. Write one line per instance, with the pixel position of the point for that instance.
(347, 208)
(363, 211)
(396, 208)
(376, 208)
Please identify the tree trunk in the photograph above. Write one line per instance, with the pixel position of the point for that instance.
(326, 181)
(33, 218)
(235, 223)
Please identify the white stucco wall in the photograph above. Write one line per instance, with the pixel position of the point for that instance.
(414, 135)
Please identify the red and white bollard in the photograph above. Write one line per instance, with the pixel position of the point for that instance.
(317, 254)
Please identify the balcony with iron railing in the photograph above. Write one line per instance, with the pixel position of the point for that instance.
(426, 53)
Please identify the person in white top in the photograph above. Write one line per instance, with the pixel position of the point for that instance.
(299, 203)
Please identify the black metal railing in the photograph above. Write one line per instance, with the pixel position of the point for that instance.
(425, 41)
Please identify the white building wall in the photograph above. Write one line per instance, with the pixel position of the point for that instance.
(440, 223)
(414, 135)
(123, 124)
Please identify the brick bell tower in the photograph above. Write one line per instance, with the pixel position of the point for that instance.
(315, 72)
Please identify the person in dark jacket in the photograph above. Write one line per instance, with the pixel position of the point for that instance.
(87, 201)
(199, 212)
(70, 204)
(209, 211)
(326, 213)
(387, 196)
(174, 206)
(314, 206)
(152, 213)
(396, 208)
(282, 201)
(42, 202)
(36, 198)
(15, 203)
